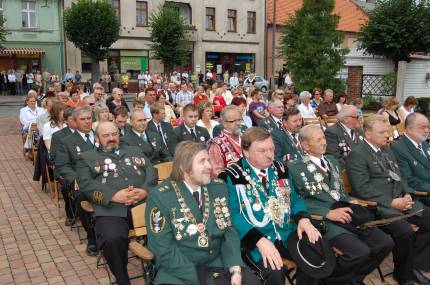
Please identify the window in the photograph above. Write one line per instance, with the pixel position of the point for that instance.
(210, 19)
(1, 8)
(141, 13)
(116, 6)
(85, 63)
(251, 22)
(232, 21)
(28, 12)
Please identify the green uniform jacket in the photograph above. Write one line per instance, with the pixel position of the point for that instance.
(285, 149)
(176, 259)
(339, 142)
(102, 174)
(183, 135)
(319, 202)
(154, 149)
(56, 141)
(236, 177)
(369, 181)
(414, 166)
(168, 134)
(68, 154)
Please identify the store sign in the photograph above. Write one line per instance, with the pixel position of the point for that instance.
(134, 63)
(218, 68)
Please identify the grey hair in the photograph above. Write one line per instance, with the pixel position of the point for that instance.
(116, 90)
(303, 95)
(411, 119)
(79, 111)
(224, 111)
(135, 113)
(304, 133)
(273, 101)
(345, 112)
(327, 91)
(97, 132)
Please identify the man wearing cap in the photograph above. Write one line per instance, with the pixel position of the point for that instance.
(189, 225)
(225, 149)
(188, 131)
(317, 179)
(344, 135)
(265, 209)
(150, 142)
(413, 154)
(66, 158)
(114, 178)
(375, 175)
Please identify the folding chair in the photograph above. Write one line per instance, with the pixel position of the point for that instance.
(313, 121)
(164, 169)
(330, 120)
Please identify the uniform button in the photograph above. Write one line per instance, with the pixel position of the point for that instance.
(269, 238)
(388, 179)
(126, 179)
(210, 251)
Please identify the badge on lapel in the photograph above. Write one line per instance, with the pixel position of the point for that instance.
(157, 220)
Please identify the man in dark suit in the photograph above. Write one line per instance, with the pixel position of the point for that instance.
(66, 158)
(344, 135)
(413, 154)
(150, 142)
(188, 131)
(165, 130)
(121, 117)
(375, 175)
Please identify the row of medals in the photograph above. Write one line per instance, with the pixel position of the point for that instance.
(109, 165)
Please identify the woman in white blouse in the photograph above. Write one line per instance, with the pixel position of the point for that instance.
(55, 123)
(205, 114)
(408, 106)
(305, 107)
(29, 113)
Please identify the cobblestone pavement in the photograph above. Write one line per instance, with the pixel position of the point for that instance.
(35, 246)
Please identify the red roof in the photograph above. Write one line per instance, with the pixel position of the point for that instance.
(351, 15)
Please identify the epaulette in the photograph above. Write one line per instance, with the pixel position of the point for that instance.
(281, 169)
(218, 181)
(164, 188)
(236, 174)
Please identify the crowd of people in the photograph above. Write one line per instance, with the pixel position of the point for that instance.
(250, 177)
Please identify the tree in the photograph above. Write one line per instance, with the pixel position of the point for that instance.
(93, 27)
(396, 29)
(308, 40)
(3, 32)
(168, 37)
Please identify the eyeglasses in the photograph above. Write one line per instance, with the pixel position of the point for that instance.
(235, 121)
(354, 117)
(91, 104)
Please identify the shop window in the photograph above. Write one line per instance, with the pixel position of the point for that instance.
(141, 13)
(210, 19)
(251, 22)
(116, 4)
(232, 20)
(28, 12)
(85, 63)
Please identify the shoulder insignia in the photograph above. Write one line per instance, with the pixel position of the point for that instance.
(281, 169)
(98, 197)
(157, 220)
(218, 180)
(236, 174)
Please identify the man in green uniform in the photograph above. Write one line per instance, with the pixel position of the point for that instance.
(317, 179)
(413, 154)
(265, 209)
(151, 143)
(188, 131)
(189, 224)
(114, 179)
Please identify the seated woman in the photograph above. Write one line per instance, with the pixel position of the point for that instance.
(218, 101)
(205, 115)
(55, 123)
(29, 113)
(341, 100)
(116, 100)
(102, 115)
(305, 107)
(317, 98)
(408, 106)
(395, 119)
(75, 99)
(162, 98)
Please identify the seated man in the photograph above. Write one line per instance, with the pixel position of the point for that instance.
(413, 154)
(114, 178)
(149, 142)
(318, 181)
(327, 107)
(188, 131)
(225, 149)
(165, 130)
(121, 118)
(189, 224)
(257, 185)
(375, 175)
(344, 135)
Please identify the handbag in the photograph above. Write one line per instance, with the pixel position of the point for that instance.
(213, 275)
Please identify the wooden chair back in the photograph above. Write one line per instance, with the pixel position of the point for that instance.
(139, 223)
(330, 120)
(312, 121)
(164, 169)
(346, 183)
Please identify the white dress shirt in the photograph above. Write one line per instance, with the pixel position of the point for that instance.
(26, 116)
(85, 138)
(306, 111)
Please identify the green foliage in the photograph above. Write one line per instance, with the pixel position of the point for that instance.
(92, 26)
(168, 37)
(397, 29)
(307, 40)
(389, 84)
(424, 106)
(370, 103)
(3, 32)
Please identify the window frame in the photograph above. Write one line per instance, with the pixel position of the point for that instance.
(251, 15)
(2, 8)
(27, 11)
(117, 8)
(234, 20)
(213, 18)
(145, 11)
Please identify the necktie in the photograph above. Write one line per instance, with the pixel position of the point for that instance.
(193, 134)
(352, 135)
(264, 179)
(161, 135)
(421, 150)
(196, 196)
(280, 125)
(88, 140)
(323, 165)
(294, 138)
(143, 137)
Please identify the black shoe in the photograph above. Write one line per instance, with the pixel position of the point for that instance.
(69, 222)
(402, 281)
(91, 249)
(420, 278)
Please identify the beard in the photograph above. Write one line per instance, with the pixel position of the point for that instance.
(110, 146)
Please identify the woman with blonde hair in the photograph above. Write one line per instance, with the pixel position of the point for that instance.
(102, 115)
(29, 113)
(55, 123)
(205, 115)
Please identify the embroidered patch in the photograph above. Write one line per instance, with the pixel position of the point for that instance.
(98, 197)
(157, 221)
